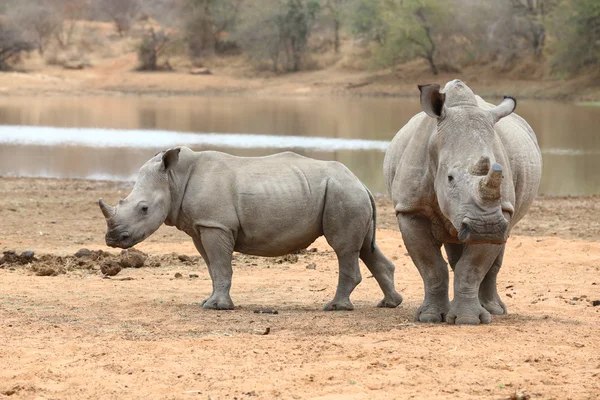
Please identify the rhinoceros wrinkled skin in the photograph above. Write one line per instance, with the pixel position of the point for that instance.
(264, 206)
(461, 173)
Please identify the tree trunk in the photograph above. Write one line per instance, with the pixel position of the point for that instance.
(336, 29)
(432, 65)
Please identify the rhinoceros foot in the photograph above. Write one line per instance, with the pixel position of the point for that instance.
(391, 301)
(494, 306)
(218, 303)
(339, 305)
(432, 311)
(467, 312)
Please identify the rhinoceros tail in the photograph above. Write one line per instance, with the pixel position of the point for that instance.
(374, 207)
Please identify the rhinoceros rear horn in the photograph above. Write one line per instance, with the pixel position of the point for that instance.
(432, 101)
(107, 210)
(482, 166)
(505, 108)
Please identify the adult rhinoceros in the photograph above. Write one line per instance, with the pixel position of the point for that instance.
(462, 173)
(265, 206)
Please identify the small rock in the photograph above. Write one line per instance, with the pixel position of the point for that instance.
(596, 303)
(74, 64)
(311, 266)
(193, 276)
(200, 71)
(520, 396)
(110, 268)
(27, 256)
(83, 253)
(291, 258)
(184, 258)
(45, 271)
(313, 250)
(178, 275)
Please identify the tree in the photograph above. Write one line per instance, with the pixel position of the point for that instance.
(69, 12)
(576, 25)
(12, 45)
(121, 12)
(366, 20)
(335, 8)
(413, 31)
(278, 30)
(38, 21)
(207, 23)
(152, 47)
(531, 17)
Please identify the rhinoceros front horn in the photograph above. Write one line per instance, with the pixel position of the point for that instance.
(491, 183)
(107, 210)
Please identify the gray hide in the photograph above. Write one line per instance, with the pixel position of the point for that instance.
(265, 206)
(462, 174)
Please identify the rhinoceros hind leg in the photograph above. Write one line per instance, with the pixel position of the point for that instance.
(383, 272)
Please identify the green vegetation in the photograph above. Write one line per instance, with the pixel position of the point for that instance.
(283, 35)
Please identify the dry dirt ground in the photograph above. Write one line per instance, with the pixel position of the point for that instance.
(77, 335)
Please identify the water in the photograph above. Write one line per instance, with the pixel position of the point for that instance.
(111, 137)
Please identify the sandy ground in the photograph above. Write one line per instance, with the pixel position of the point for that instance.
(77, 335)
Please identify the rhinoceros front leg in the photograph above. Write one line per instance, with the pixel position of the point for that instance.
(426, 253)
(471, 268)
(216, 247)
(488, 291)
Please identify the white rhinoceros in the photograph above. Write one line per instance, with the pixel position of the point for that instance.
(264, 206)
(462, 174)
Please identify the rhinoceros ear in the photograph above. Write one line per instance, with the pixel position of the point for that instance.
(506, 107)
(170, 158)
(432, 101)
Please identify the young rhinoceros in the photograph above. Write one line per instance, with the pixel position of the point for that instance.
(264, 206)
(461, 174)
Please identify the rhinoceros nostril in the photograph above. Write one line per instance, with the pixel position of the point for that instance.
(464, 232)
(124, 237)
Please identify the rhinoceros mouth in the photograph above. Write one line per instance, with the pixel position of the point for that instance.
(474, 231)
(123, 241)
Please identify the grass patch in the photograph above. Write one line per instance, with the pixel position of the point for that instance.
(589, 103)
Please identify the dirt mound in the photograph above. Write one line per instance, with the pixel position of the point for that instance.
(91, 260)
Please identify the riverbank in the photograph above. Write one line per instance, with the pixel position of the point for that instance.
(117, 76)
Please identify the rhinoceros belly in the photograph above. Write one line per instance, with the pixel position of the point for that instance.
(279, 216)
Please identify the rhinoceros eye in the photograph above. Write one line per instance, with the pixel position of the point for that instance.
(450, 178)
(143, 208)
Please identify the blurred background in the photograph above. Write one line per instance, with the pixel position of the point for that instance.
(119, 80)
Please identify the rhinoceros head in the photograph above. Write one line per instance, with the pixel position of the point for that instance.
(141, 213)
(467, 176)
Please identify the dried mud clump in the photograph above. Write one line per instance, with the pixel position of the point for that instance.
(11, 258)
(132, 258)
(110, 268)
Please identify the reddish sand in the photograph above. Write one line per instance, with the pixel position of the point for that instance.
(77, 335)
